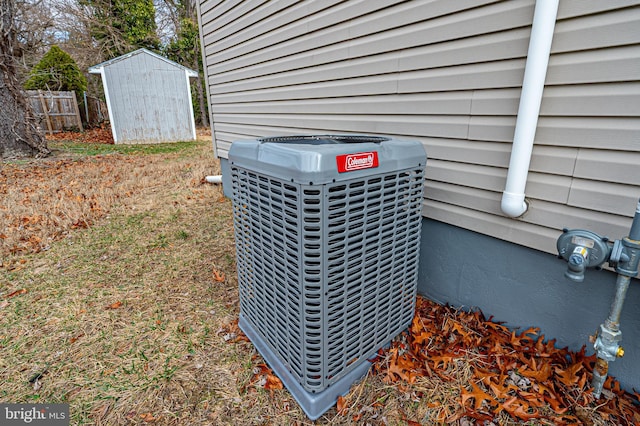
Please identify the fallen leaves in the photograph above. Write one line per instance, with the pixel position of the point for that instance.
(518, 409)
(231, 333)
(478, 395)
(114, 305)
(101, 135)
(264, 378)
(11, 295)
(218, 276)
(75, 339)
(145, 417)
(16, 293)
(401, 366)
(148, 417)
(272, 382)
(570, 376)
(341, 405)
(512, 372)
(46, 200)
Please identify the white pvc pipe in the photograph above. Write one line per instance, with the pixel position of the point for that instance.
(544, 20)
(214, 179)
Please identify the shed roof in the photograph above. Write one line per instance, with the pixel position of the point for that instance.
(96, 68)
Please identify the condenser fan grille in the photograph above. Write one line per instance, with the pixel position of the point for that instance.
(327, 273)
(267, 230)
(371, 264)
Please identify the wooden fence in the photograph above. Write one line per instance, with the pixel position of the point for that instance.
(93, 111)
(58, 110)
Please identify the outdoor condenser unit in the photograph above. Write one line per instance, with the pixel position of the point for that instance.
(327, 235)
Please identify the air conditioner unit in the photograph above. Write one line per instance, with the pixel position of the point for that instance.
(327, 231)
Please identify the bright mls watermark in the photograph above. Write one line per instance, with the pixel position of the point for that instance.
(34, 414)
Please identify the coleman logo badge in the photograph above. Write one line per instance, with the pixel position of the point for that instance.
(357, 161)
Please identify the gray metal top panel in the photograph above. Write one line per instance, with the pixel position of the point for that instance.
(313, 159)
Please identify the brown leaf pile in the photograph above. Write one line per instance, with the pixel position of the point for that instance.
(520, 374)
(101, 135)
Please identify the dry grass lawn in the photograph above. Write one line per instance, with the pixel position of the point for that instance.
(118, 295)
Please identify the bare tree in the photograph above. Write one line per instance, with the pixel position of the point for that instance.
(179, 21)
(74, 23)
(19, 135)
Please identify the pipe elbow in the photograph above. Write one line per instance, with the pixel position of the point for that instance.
(513, 205)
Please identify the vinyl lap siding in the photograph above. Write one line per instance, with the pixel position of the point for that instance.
(447, 73)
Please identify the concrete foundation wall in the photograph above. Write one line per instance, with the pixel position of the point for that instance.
(525, 287)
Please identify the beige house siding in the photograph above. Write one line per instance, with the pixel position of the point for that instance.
(447, 73)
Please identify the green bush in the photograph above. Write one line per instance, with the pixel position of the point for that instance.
(57, 71)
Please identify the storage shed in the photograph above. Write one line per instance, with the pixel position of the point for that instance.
(148, 98)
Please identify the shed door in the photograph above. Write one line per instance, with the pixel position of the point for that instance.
(150, 102)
